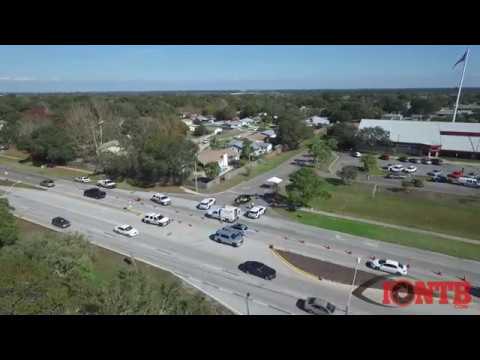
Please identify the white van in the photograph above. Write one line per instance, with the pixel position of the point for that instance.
(156, 219)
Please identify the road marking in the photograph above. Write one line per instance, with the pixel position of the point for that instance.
(281, 310)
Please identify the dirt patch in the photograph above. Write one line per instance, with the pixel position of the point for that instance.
(330, 271)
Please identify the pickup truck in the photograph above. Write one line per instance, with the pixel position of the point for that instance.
(107, 183)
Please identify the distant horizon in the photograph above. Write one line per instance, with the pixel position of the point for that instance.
(238, 91)
(181, 68)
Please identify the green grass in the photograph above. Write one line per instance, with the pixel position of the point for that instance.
(47, 172)
(394, 236)
(443, 213)
(18, 185)
(472, 161)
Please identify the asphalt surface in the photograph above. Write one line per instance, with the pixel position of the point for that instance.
(422, 170)
(184, 247)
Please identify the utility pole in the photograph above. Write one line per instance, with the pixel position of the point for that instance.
(461, 84)
(100, 123)
(353, 285)
(195, 173)
(246, 299)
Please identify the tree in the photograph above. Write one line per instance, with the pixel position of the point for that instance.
(8, 226)
(212, 170)
(344, 134)
(424, 106)
(348, 174)
(320, 151)
(51, 143)
(292, 130)
(201, 130)
(247, 149)
(372, 138)
(304, 186)
(226, 113)
(340, 116)
(370, 164)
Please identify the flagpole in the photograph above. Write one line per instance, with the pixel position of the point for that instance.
(461, 84)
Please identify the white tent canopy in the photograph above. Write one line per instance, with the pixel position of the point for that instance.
(274, 180)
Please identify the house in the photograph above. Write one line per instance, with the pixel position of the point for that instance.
(189, 124)
(256, 136)
(317, 121)
(112, 147)
(260, 148)
(392, 117)
(431, 138)
(269, 133)
(221, 156)
(247, 121)
(236, 144)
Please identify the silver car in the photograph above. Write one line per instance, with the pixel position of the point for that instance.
(319, 306)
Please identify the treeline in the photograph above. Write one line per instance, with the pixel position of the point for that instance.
(48, 274)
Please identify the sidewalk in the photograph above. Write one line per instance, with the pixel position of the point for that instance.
(399, 227)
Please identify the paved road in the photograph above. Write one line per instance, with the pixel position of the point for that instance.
(184, 247)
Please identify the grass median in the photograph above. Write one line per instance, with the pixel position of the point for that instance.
(438, 212)
(390, 235)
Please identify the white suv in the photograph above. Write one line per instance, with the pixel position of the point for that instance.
(206, 204)
(389, 266)
(256, 212)
(161, 199)
(156, 219)
(395, 168)
(107, 183)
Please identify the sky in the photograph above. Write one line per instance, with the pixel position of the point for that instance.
(46, 68)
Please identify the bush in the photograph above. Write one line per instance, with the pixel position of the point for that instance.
(418, 183)
(8, 225)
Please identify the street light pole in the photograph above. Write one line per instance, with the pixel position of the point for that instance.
(246, 299)
(353, 285)
(196, 183)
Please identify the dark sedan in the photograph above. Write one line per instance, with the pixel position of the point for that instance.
(258, 269)
(60, 222)
(240, 227)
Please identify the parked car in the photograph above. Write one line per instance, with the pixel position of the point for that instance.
(319, 306)
(82, 179)
(256, 212)
(127, 230)
(156, 219)
(60, 222)
(415, 161)
(403, 159)
(161, 199)
(395, 168)
(229, 237)
(206, 204)
(47, 183)
(455, 174)
(426, 161)
(439, 178)
(437, 161)
(107, 183)
(258, 269)
(242, 199)
(410, 169)
(356, 154)
(4, 147)
(385, 157)
(95, 193)
(435, 172)
(395, 176)
(389, 266)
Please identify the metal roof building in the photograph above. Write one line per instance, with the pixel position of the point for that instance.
(445, 136)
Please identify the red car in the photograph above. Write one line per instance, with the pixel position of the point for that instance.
(456, 174)
(385, 157)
